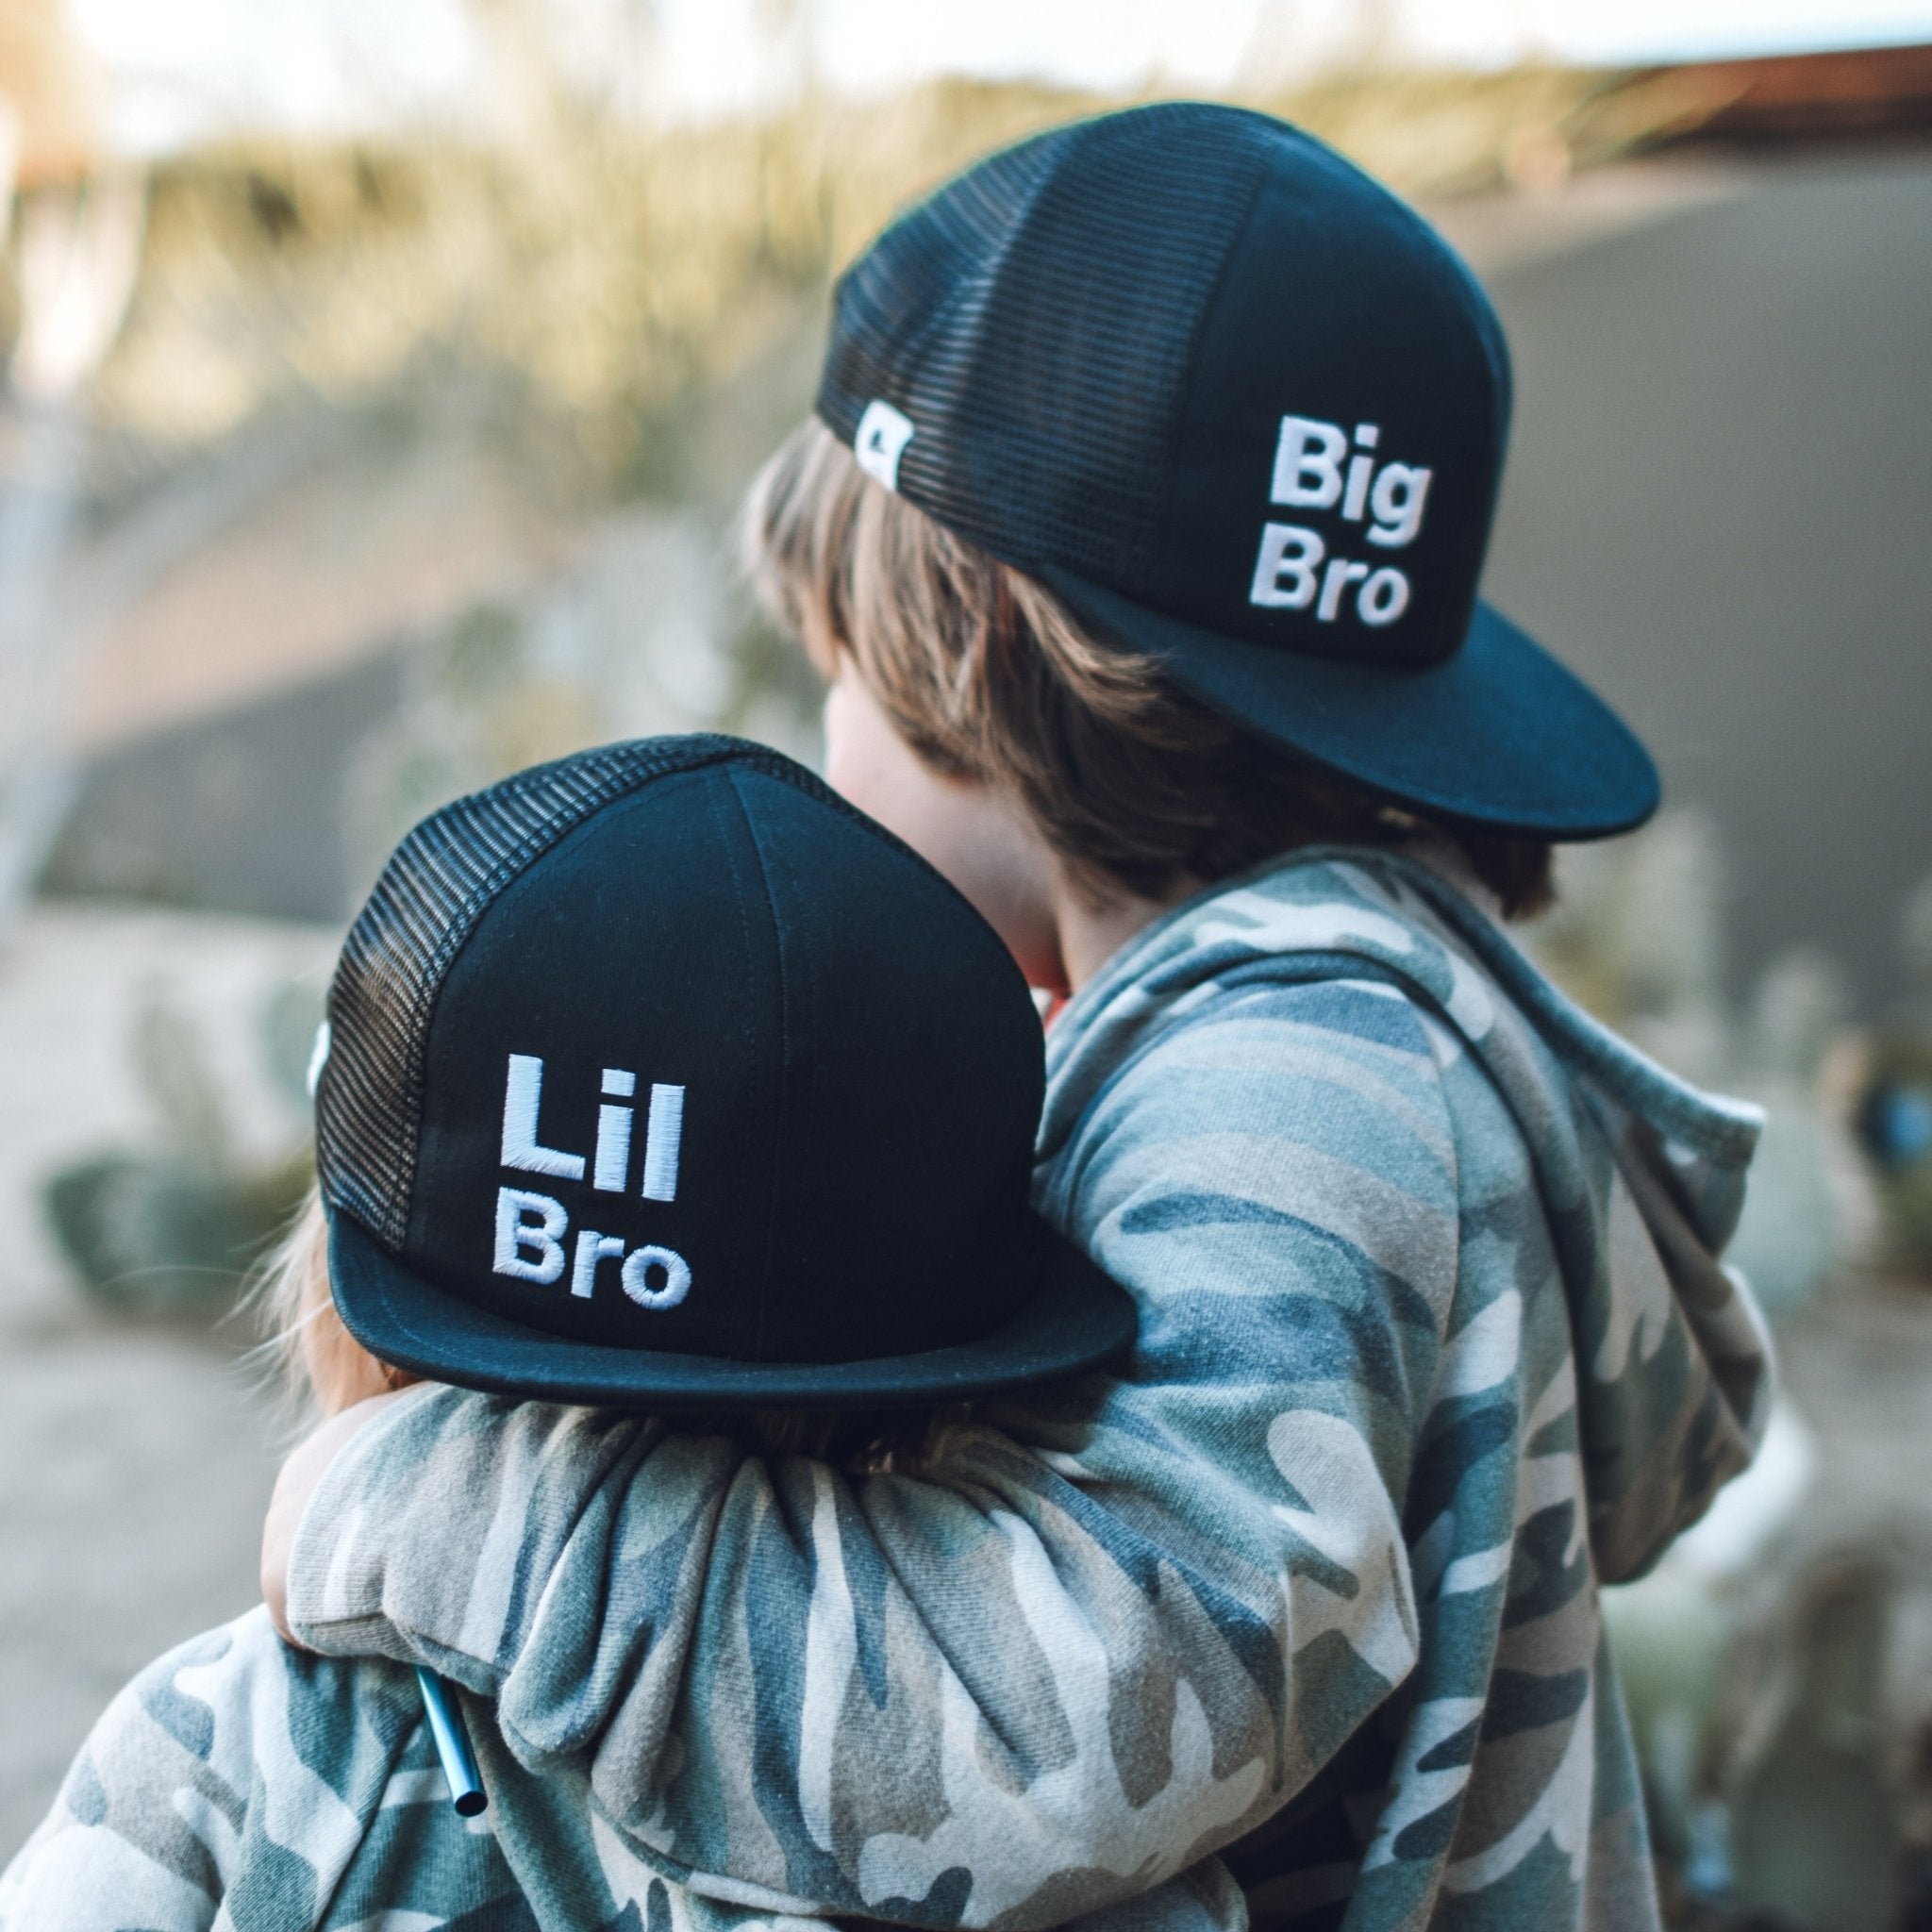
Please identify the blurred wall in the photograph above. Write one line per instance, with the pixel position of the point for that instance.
(1718, 507)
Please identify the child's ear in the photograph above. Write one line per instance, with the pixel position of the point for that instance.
(342, 1371)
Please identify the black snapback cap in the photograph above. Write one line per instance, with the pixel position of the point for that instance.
(1240, 409)
(660, 1076)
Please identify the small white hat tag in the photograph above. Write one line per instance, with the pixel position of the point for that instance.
(883, 434)
(317, 1058)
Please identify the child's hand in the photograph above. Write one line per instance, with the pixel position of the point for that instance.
(300, 1474)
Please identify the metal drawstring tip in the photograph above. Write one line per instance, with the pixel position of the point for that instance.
(452, 1745)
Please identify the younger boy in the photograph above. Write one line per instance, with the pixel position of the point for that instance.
(1140, 532)
(625, 1106)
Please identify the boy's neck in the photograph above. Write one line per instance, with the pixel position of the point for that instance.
(1090, 935)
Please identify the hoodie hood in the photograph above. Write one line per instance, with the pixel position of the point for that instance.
(1432, 1336)
(1641, 1175)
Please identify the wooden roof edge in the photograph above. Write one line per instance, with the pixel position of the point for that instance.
(1792, 97)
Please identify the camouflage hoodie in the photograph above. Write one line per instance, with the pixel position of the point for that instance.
(1432, 1342)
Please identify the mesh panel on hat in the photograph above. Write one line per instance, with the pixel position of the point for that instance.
(436, 886)
(1034, 321)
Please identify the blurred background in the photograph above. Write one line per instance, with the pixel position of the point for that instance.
(380, 381)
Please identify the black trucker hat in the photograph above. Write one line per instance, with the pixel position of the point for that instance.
(1240, 409)
(660, 1076)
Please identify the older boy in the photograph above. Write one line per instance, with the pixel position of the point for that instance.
(1140, 533)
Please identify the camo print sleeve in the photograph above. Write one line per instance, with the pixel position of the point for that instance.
(235, 1786)
(1110, 1631)
(116, 1849)
(1434, 1336)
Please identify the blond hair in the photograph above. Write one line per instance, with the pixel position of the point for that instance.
(986, 675)
(320, 1362)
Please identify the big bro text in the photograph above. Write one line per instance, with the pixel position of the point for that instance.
(1316, 467)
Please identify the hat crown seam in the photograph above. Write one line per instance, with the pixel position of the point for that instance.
(418, 888)
(768, 1273)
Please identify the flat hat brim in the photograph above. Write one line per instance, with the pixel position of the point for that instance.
(1500, 735)
(1074, 1319)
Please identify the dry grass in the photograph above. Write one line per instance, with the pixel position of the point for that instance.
(603, 268)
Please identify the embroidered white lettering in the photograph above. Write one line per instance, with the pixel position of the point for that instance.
(1400, 494)
(1355, 500)
(1340, 575)
(515, 1235)
(591, 1248)
(523, 1095)
(1307, 463)
(663, 1132)
(1285, 570)
(1323, 466)
(637, 1278)
(1384, 597)
(619, 1082)
(613, 1149)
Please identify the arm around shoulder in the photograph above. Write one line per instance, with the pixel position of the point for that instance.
(1103, 1634)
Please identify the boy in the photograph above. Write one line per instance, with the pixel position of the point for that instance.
(622, 1105)
(1139, 533)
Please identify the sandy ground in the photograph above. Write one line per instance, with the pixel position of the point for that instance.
(135, 1461)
